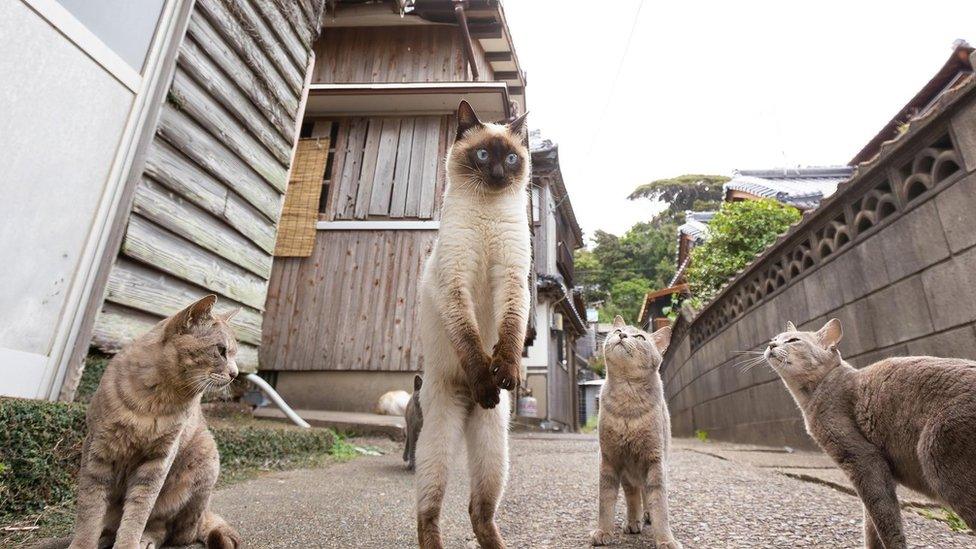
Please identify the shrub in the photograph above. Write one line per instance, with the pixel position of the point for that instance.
(737, 233)
(40, 445)
(40, 452)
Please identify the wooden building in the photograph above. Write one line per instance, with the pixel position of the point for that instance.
(146, 148)
(551, 363)
(339, 327)
(286, 156)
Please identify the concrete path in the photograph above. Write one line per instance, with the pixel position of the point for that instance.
(722, 496)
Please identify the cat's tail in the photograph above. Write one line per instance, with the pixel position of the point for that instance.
(217, 534)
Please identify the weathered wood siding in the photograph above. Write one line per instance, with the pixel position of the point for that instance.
(205, 213)
(350, 306)
(422, 53)
(388, 168)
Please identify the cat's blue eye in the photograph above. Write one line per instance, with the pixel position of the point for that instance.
(482, 154)
(511, 159)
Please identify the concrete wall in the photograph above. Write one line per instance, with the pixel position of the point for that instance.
(349, 391)
(892, 255)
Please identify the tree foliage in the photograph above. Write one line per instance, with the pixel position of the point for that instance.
(684, 192)
(619, 271)
(737, 233)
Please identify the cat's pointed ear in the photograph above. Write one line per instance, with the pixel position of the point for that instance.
(517, 127)
(790, 327)
(831, 334)
(198, 312)
(418, 382)
(662, 338)
(466, 118)
(618, 322)
(230, 314)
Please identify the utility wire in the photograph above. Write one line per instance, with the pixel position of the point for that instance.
(616, 78)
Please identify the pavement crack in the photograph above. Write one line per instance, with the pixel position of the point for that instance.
(707, 454)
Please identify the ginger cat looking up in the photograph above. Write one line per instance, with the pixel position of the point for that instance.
(910, 420)
(148, 462)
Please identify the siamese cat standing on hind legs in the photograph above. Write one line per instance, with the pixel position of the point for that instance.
(474, 303)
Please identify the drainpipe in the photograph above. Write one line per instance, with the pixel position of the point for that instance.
(276, 398)
(462, 20)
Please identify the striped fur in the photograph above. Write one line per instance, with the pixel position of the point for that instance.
(149, 463)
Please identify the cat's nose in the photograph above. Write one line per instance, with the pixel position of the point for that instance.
(232, 370)
(772, 344)
(623, 336)
(497, 171)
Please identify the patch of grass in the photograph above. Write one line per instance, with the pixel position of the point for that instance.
(591, 425)
(95, 364)
(40, 452)
(955, 522)
(701, 435)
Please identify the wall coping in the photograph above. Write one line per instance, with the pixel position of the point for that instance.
(907, 171)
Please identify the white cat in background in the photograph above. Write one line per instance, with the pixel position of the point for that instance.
(393, 403)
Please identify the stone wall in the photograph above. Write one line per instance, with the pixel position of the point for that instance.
(892, 255)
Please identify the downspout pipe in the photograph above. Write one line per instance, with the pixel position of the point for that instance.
(276, 398)
(462, 20)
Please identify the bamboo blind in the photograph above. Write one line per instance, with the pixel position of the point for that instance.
(296, 231)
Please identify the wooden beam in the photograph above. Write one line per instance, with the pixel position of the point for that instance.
(498, 56)
(486, 32)
(516, 90)
(506, 75)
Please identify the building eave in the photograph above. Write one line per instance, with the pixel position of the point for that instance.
(407, 99)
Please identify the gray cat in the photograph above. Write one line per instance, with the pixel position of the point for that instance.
(415, 422)
(910, 420)
(635, 435)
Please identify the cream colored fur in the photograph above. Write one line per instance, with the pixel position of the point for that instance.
(393, 403)
(635, 435)
(476, 275)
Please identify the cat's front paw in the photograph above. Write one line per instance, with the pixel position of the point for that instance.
(601, 537)
(633, 527)
(505, 369)
(668, 543)
(484, 392)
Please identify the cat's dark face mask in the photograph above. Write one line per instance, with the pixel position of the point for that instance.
(493, 156)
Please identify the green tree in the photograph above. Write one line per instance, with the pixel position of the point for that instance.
(626, 298)
(684, 192)
(737, 233)
(619, 271)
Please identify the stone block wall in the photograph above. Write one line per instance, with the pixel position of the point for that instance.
(892, 255)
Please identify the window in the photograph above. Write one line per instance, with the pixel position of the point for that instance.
(125, 26)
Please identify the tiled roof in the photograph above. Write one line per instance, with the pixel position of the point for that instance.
(800, 187)
(545, 158)
(696, 224)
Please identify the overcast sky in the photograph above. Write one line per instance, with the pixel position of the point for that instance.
(714, 86)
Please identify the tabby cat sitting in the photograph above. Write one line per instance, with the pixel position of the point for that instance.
(149, 463)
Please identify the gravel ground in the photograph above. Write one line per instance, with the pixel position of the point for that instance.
(551, 502)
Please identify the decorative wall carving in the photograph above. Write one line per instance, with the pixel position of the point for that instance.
(857, 209)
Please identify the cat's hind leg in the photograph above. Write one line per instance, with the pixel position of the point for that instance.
(945, 450)
(486, 434)
(444, 413)
(633, 496)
